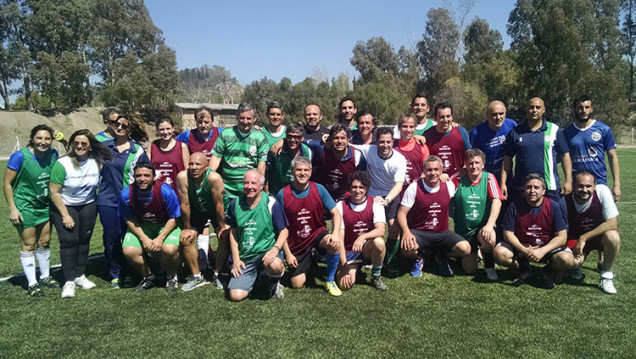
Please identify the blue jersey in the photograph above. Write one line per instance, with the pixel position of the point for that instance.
(588, 147)
(536, 152)
(118, 173)
(125, 209)
(491, 143)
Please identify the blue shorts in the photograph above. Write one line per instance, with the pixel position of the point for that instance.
(253, 269)
(358, 257)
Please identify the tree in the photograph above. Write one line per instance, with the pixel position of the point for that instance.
(374, 59)
(438, 48)
(629, 39)
(208, 84)
(566, 48)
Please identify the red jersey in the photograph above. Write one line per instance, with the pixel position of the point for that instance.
(168, 163)
(194, 145)
(430, 210)
(305, 216)
(356, 223)
(153, 212)
(449, 147)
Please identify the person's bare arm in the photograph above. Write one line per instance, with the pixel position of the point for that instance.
(214, 163)
(616, 175)
(14, 214)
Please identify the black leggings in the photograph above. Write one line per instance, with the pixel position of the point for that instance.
(75, 242)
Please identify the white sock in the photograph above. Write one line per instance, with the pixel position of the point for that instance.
(607, 275)
(203, 242)
(44, 261)
(28, 266)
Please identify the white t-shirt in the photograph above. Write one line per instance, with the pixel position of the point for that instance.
(408, 199)
(384, 173)
(80, 184)
(607, 201)
(378, 211)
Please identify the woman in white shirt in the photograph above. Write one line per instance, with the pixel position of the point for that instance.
(73, 186)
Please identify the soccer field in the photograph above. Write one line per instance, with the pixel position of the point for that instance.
(465, 316)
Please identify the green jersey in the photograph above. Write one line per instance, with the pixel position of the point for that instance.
(239, 153)
(31, 187)
(472, 207)
(200, 198)
(271, 138)
(279, 168)
(419, 131)
(254, 227)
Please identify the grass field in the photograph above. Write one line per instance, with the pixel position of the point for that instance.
(465, 316)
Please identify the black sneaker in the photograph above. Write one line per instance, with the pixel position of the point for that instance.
(145, 284)
(392, 268)
(524, 271)
(445, 269)
(35, 291)
(49, 282)
(376, 281)
(546, 280)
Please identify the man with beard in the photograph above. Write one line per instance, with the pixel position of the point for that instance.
(589, 140)
(279, 165)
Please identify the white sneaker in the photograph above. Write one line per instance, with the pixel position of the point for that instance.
(491, 274)
(68, 291)
(607, 283)
(84, 283)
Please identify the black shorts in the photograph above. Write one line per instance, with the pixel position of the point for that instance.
(199, 221)
(306, 259)
(439, 242)
(391, 209)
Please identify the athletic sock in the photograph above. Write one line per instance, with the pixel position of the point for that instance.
(332, 266)
(392, 247)
(489, 261)
(376, 269)
(44, 261)
(203, 242)
(28, 266)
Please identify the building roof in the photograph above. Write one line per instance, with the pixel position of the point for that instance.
(213, 106)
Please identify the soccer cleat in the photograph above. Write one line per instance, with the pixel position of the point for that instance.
(546, 280)
(607, 283)
(392, 268)
(68, 291)
(172, 284)
(145, 284)
(491, 274)
(49, 282)
(217, 282)
(194, 282)
(277, 291)
(576, 274)
(376, 281)
(445, 269)
(35, 291)
(128, 282)
(333, 289)
(524, 271)
(114, 284)
(84, 283)
(417, 268)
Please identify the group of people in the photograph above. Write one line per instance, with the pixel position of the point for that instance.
(267, 194)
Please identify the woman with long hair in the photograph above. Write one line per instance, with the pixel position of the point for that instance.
(127, 151)
(73, 186)
(167, 155)
(26, 189)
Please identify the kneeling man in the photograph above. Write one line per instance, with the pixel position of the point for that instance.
(150, 209)
(535, 230)
(258, 232)
(592, 216)
(423, 218)
(363, 223)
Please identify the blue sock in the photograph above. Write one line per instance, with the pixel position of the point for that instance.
(332, 266)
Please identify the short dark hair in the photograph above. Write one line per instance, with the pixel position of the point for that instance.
(535, 176)
(108, 111)
(419, 95)
(203, 108)
(384, 131)
(361, 176)
(475, 152)
(145, 164)
(162, 119)
(338, 128)
(37, 129)
(274, 104)
(295, 127)
(582, 98)
(345, 99)
(440, 106)
(366, 113)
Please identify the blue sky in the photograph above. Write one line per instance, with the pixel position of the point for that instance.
(253, 39)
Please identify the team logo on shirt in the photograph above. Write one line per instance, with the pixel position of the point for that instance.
(596, 136)
(253, 151)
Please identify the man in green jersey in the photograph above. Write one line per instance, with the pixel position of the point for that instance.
(279, 165)
(274, 129)
(258, 232)
(238, 150)
(477, 204)
(201, 192)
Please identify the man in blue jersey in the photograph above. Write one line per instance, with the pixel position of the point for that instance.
(537, 146)
(589, 140)
(151, 210)
(490, 135)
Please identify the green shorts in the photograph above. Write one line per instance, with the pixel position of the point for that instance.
(32, 217)
(152, 230)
